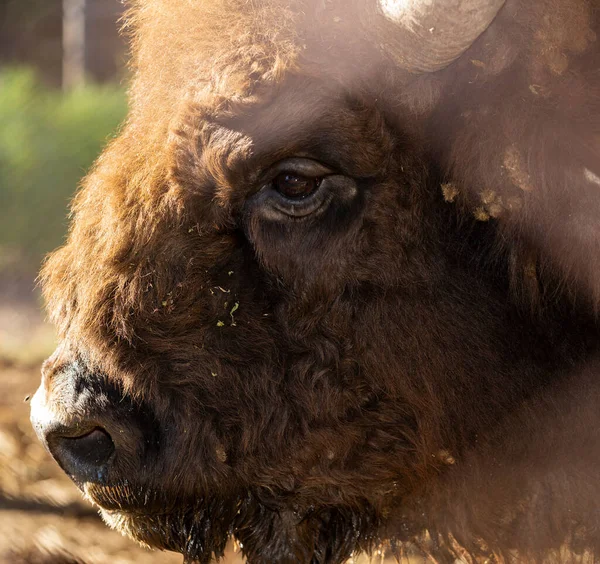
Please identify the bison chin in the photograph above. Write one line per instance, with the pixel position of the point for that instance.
(268, 530)
(199, 531)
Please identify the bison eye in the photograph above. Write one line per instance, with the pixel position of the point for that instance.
(295, 186)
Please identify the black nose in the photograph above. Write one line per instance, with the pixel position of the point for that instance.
(85, 457)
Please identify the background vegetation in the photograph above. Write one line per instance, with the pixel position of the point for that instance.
(48, 139)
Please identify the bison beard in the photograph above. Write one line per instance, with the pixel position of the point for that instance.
(326, 291)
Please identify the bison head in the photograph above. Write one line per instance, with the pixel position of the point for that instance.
(274, 323)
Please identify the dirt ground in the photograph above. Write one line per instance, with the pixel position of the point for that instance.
(41, 511)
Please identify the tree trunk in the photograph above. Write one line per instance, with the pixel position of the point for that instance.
(74, 67)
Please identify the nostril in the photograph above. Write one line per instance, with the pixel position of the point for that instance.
(84, 457)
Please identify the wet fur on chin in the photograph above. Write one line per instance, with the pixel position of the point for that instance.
(199, 536)
(201, 531)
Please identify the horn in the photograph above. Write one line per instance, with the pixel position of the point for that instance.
(427, 35)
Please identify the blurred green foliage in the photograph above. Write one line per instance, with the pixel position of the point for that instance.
(48, 140)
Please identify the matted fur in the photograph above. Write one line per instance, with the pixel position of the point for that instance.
(414, 365)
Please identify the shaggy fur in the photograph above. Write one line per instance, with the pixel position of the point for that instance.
(414, 363)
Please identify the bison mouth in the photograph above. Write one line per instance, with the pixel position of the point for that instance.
(199, 529)
(268, 528)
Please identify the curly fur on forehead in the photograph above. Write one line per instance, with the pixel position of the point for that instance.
(225, 46)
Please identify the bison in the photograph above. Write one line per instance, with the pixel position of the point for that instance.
(335, 285)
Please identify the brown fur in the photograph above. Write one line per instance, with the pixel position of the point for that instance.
(414, 365)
